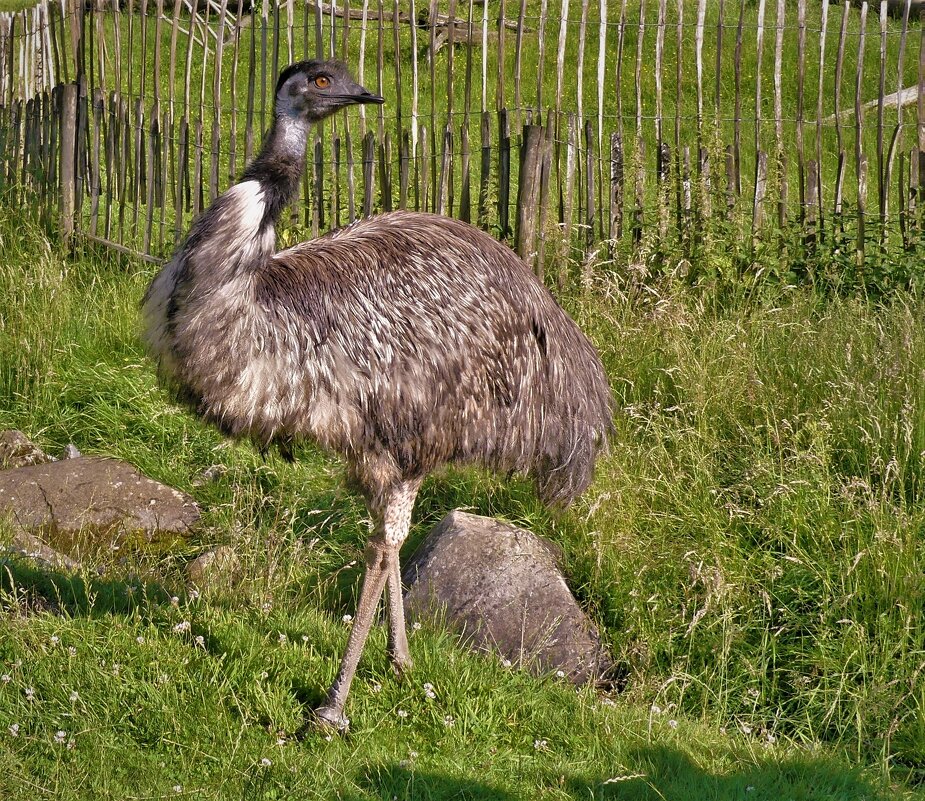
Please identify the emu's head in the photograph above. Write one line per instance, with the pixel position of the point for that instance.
(309, 91)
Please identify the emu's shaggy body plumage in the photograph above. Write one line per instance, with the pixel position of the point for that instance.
(402, 342)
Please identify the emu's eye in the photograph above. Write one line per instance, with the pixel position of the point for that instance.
(322, 82)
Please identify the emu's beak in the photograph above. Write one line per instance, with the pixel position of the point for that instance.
(358, 94)
(365, 96)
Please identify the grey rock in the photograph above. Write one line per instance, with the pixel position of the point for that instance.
(215, 569)
(71, 452)
(17, 450)
(210, 474)
(31, 547)
(501, 588)
(93, 495)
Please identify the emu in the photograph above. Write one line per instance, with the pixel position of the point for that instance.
(402, 342)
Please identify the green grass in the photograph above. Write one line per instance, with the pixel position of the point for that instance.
(751, 548)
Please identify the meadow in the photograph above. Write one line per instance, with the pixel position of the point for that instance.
(751, 548)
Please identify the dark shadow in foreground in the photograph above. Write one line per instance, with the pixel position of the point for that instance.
(42, 590)
(657, 773)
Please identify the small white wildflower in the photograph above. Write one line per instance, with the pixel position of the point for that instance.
(116, 669)
(560, 674)
(413, 754)
(280, 740)
(265, 763)
(539, 745)
(449, 721)
(416, 626)
(14, 730)
(163, 678)
(183, 625)
(6, 678)
(174, 600)
(30, 694)
(264, 674)
(282, 638)
(347, 619)
(401, 713)
(328, 737)
(377, 687)
(429, 690)
(656, 709)
(750, 789)
(17, 663)
(71, 650)
(672, 724)
(60, 736)
(771, 738)
(266, 606)
(140, 640)
(73, 697)
(54, 639)
(304, 638)
(193, 595)
(746, 729)
(505, 662)
(200, 640)
(178, 788)
(608, 702)
(71, 744)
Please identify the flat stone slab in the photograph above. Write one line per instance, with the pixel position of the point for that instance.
(31, 547)
(96, 495)
(17, 450)
(501, 588)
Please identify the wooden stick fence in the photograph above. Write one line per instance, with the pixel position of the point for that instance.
(120, 121)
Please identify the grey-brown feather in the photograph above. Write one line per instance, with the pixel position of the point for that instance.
(403, 342)
(453, 352)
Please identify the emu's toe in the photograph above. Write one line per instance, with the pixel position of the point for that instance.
(401, 664)
(331, 718)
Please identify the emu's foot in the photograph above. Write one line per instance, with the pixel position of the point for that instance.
(329, 717)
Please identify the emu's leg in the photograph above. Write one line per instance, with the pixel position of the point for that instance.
(378, 558)
(381, 563)
(398, 638)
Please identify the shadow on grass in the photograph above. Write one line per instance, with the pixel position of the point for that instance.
(44, 590)
(658, 772)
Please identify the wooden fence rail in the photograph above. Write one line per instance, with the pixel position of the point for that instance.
(571, 128)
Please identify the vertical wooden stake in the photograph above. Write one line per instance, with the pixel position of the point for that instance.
(68, 141)
(616, 190)
(504, 174)
(528, 193)
(485, 172)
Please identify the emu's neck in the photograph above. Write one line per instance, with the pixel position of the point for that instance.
(279, 165)
(236, 234)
